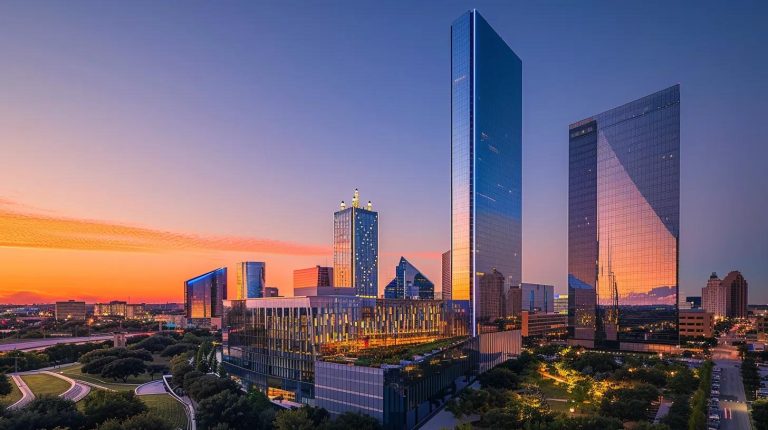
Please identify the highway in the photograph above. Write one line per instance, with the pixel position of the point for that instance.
(733, 407)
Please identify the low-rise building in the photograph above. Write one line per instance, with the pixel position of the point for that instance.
(696, 323)
(70, 310)
(540, 324)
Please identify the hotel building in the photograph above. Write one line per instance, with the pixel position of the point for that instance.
(624, 224)
(486, 167)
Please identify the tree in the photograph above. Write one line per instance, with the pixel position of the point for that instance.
(352, 420)
(155, 343)
(176, 349)
(153, 369)
(207, 385)
(123, 368)
(499, 377)
(44, 412)
(138, 422)
(294, 419)
(95, 366)
(679, 413)
(5, 385)
(760, 414)
(226, 407)
(101, 406)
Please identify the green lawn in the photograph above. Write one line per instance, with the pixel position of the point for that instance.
(75, 373)
(12, 397)
(42, 384)
(166, 407)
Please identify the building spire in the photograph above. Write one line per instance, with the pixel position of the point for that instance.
(343, 205)
(369, 206)
(356, 199)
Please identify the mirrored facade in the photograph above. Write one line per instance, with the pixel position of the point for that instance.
(624, 206)
(251, 279)
(204, 295)
(409, 283)
(486, 150)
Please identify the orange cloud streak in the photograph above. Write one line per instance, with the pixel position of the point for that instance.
(20, 227)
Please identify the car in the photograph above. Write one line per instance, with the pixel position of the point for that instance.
(715, 393)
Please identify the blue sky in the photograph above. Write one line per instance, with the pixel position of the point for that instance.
(257, 118)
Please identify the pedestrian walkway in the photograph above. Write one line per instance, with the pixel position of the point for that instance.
(154, 387)
(26, 394)
(76, 392)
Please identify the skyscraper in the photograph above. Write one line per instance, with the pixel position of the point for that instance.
(356, 248)
(409, 283)
(623, 222)
(204, 295)
(446, 275)
(486, 151)
(317, 276)
(251, 279)
(714, 298)
(538, 297)
(736, 286)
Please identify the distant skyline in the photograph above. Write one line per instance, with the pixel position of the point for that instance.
(146, 143)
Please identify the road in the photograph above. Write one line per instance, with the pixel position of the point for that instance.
(733, 407)
(31, 345)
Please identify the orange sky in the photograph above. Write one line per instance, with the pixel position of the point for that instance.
(48, 257)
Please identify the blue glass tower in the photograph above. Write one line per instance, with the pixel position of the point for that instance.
(409, 283)
(356, 248)
(624, 224)
(204, 295)
(251, 279)
(486, 171)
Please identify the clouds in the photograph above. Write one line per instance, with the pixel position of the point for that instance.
(22, 226)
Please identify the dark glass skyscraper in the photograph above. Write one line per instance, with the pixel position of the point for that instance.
(204, 295)
(486, 151)
(251, 280)
(409, 283)
(356, 248)
(624, 223)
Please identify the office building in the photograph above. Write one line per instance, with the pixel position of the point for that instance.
(203, 298)
(736, 287)
(561, 304)
(538, 297)
(694, 302)
(271, 292)
(696, 323)
(272, 344)
(726, 298)
(115, 308)
(356, 247)
(542, 324)
(624, 223)
(486, 171)
(324, 291)
(446, 275)
(393, 359)
(250, 279)
(70, 310)
(714, 298)
(317, 276)
(409, 283)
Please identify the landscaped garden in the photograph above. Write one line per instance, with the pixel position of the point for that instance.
(42, 384)
(559, 387)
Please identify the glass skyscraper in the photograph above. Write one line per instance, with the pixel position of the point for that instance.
(204, 295)
(409, 283)
(356, 248)
(624, 224)
(486, 151)
(251, 279)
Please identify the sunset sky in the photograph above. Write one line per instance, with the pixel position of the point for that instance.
(143, 143)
